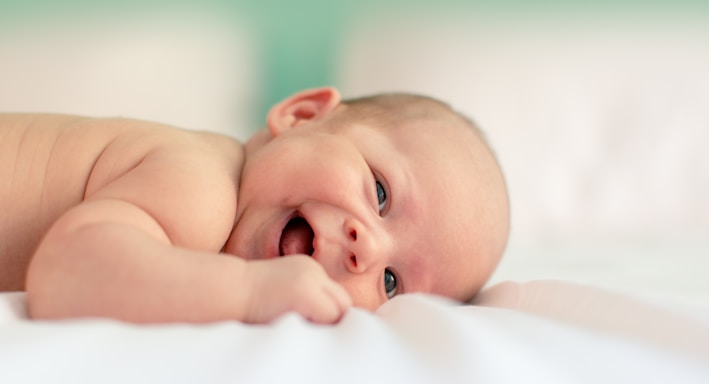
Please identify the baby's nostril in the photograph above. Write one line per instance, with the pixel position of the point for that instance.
(353, 259)
(353, 234)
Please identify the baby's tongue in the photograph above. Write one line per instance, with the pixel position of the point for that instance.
(297, 237)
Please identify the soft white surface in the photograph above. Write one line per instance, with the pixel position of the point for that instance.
(677, 270)
(554, 337)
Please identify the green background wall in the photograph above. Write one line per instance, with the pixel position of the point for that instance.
(299, 39)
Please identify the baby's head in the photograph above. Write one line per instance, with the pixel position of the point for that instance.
(390, 193)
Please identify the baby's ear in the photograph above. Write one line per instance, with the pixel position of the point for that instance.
(302, 107)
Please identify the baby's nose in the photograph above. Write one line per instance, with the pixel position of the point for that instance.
(362, 250)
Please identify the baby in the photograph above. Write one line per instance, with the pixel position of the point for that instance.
(137, 221)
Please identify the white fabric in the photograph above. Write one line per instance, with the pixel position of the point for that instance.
(539, 332)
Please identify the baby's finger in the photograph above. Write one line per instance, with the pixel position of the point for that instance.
(338, 301)
(324, 311)
(340, 295)
(330, 307)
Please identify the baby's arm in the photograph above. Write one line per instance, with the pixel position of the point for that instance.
(110, 259)
(143, 247)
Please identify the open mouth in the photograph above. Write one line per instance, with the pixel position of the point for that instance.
(297, 237)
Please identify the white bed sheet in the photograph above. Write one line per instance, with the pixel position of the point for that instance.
(541, 331)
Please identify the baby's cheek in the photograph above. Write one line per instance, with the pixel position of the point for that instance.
(362, 296)
(333, 177)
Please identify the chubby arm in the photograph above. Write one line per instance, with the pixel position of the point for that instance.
(110, 259)
(144, 247)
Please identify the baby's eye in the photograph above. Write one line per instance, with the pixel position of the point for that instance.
(381, 196)
(390, 283)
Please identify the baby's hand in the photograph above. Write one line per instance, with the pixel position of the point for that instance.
(293, 283)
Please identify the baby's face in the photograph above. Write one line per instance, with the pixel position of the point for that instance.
(386, 211)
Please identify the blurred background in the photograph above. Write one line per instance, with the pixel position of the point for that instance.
(598, 111)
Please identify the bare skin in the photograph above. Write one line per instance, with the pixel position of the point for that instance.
(107, 181)
(142, 222)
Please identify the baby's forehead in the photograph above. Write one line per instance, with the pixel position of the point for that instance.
(430, 139)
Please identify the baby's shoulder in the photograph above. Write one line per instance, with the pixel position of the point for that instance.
(164, 150)
(187, 180)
